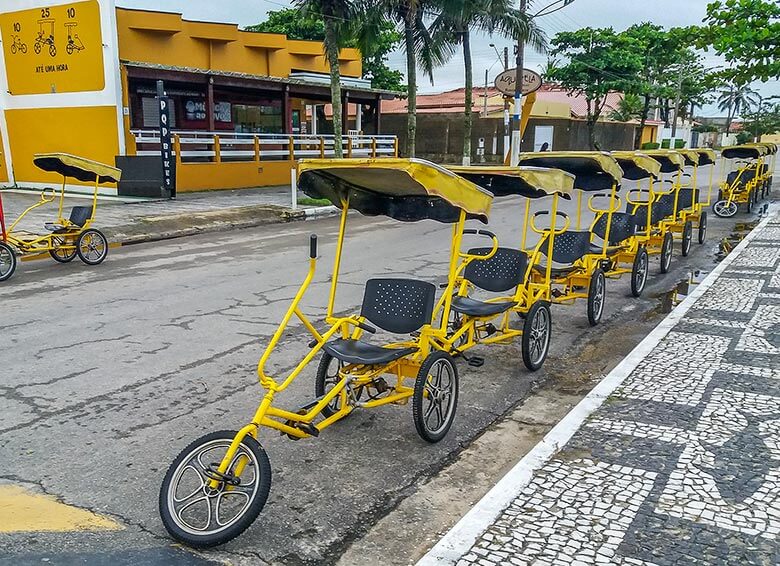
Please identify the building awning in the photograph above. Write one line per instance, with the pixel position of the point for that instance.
(297, 87)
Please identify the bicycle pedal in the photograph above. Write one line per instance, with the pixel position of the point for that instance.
(490, 329)
(308, 428)
(476, 361)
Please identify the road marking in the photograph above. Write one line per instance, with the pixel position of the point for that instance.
(24, 511)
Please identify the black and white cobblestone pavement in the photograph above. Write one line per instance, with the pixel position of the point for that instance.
(679, 463)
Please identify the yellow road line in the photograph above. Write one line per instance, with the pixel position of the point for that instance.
(24, 511)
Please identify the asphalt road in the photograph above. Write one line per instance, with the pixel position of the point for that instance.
(108, 372)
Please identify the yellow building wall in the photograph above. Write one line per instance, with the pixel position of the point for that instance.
(771, 138)
(167, 39)
(85, 131)
(649, 134)
(240, 175)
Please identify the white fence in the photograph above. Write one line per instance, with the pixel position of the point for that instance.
(200, 146)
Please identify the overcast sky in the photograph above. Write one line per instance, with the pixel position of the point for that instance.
(618, 14)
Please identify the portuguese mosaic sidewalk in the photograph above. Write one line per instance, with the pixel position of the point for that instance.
(673, 459)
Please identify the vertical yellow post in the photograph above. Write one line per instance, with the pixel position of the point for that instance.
(395, 147)
(373, 147)
(322, 148)
(177, 148)
(62, 201)
(550, 243)
(291, 148)
(217, 150)
(94, 199)
(525, 223)
(337, 261)
(349, 146)
(257, 149)
(457, 238)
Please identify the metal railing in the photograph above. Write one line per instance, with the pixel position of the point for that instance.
(218, 147)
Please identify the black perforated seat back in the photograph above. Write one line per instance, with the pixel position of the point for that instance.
(400, 306)
(80, 214)
(569, 246)
(622, 227)
(504, 271)
(687, 198)
(663, 208)
(743, 179)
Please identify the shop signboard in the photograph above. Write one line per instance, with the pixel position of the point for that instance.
(54, 49)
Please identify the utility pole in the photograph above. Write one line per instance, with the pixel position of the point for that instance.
(507, 128)
(516, 130)
(484, 107)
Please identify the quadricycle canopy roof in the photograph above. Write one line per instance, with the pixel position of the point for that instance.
(637, 166)
(76, 167)
(771, 148)
(593, 170)
(530, 182)
(691, 157)
(671, 161)
(402, 189)
(746, 151)
(706, 156)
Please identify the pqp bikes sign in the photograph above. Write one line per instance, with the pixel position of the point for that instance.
(505, 82)
(166, 146)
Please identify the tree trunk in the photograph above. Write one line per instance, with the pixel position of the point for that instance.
(411, 83)
(467, 109)
(642, 122)
(332, 51)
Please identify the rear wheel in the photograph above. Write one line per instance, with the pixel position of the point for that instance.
(687, 238)
(435, 396)
(202, 516)
(597, 291)
(724, 209)
(92, 247)
(7, 261)
(639, 272)
(666, 252)
(703, 227)
(327, 378)
(537, 330)
(64, 251)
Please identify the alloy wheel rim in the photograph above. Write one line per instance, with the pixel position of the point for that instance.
(540, 334)
(598, 296)
(438, 391)
(641, 272)
(209, 498)
(6, 261)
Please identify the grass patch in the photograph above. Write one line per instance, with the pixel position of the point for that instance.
(313, 201)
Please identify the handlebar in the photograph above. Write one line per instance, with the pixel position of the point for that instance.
(640, 191)
(313, 246)
(616, 208)
(48, 194)
(553, 225)
(366, 327)
(486, 233)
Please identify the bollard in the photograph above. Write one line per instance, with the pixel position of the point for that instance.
(294, 187)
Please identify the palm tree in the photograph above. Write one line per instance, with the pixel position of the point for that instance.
(336, 15)
(629, 108)
(419, 47)
(735, 99)
(452, 28)
(549, 67)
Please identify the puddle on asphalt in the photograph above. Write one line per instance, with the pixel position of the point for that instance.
(684, 287)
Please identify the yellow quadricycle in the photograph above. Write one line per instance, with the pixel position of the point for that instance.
(218, 484)
(744, 174)
(66, 237)
(506, 272)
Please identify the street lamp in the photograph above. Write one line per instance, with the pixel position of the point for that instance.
(516, 132)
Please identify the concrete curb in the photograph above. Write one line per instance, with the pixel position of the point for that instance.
(460, 538)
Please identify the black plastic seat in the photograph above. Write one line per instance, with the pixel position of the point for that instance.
(687, 198)
(622, 227)
(596, 249)
(499, 273)
(400, 306)
(473, 307)
(78, 217)
(359, 352)
(569, 247)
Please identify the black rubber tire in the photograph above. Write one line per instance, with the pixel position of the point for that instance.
(418, 398)
(537, 324)
(62, 257)
(249, 514)
(703, 227)
(597, 292)
(321, 384)
(8, 266)
(666, 252)
(687, 238)
(80, 242)
(639, 272)
(722, 212)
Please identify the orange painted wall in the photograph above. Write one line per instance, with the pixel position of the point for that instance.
(239, 175)
(167, 39)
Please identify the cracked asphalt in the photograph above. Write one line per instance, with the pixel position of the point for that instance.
(109, 372)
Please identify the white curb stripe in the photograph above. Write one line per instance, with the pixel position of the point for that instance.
(457, 542)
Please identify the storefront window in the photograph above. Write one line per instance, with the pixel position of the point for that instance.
(265, 118)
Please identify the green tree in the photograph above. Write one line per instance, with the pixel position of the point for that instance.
(548, 69)
(765, 119)
(420, 50)
(599, 61)
(452, 29)
(735, 99)
(747, 34)
(292, 23)
(629, 108)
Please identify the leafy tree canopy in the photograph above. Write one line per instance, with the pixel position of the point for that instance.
(747, 34)
(308, 25)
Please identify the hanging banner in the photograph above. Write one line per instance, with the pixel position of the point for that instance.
(54, 49)
(166, 147)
